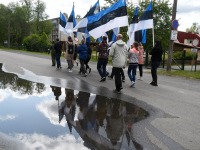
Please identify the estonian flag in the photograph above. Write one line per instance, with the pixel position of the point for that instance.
(71, 23)
(115, 33)
(146, 20)
(62, 22)
(110, 18)
(82, 25)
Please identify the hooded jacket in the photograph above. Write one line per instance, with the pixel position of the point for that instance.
(118, 52)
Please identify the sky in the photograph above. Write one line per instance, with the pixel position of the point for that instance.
(188, 11)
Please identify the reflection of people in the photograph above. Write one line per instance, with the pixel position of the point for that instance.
(118, 52)
(156, 59)
(101, 109)
(57, 91)
(115, 125)
(83, 102)
(67, 107)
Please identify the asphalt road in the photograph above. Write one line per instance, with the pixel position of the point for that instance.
(174, 106)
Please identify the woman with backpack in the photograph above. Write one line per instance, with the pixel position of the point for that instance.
(70, 49)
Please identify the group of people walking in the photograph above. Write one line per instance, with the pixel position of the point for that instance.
(121, 56)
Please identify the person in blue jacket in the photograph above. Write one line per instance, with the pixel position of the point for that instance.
(83, 55)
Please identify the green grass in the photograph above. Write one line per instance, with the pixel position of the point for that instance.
(181, 73)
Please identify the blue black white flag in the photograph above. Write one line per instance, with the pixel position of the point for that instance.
(115, 33)
(62, 22)
(71, 23)
(110, 18)
(82, 25)
(146, 20)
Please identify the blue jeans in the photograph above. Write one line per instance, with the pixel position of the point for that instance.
(101, 67)
(132, 72)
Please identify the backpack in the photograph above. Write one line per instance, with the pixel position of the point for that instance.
(70, 48)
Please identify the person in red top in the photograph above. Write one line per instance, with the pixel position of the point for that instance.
(103, 58)
(140, 60)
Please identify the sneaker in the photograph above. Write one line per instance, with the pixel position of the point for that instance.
(84, 75)
(116, 91)
(132, 84)
(154, 84)
(103, 79)
(110, 78)
(140, 78)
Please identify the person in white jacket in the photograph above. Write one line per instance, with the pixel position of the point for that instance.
(118, 52)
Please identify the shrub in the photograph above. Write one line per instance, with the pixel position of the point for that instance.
(188, 55)
(37, 43)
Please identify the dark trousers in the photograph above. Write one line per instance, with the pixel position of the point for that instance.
(82, 67)
(101, 67)
(122, 73)
(154, 66)
(140, 66)
(58, 59)
(86, 63)
(53, 58)
(118, 78)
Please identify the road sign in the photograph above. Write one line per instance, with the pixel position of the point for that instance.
(174, 35)
(195, 42)
(175, 24)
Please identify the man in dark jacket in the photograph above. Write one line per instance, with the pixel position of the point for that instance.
(58, 51)
(83, 55)
(156, 59)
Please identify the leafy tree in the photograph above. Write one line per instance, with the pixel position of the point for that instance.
(195, 28)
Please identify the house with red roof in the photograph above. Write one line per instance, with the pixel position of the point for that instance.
(184, 42)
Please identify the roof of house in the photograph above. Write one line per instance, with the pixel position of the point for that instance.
(184, 35)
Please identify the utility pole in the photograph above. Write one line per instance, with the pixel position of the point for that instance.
(171, 45)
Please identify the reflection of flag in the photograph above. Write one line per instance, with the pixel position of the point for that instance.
(62, 22)
(71, 23)
(82, 25)
(105, 20)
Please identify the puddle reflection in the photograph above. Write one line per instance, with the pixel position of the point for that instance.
(49, 117)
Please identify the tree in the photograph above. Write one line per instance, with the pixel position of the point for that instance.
(195, 28)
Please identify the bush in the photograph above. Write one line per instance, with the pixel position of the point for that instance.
(188, 55)
(37, 43)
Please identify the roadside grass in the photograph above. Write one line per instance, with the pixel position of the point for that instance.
(181, 73)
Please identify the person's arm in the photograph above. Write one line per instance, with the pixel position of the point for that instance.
(112, 49)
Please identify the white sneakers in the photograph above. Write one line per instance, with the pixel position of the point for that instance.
(132, 84)
(70, 70)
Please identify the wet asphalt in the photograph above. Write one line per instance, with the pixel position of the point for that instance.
(174, 106)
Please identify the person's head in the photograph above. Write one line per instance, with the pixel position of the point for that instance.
(135, 45)
(104, 39)
(69, 38)
(119, 37)
(83, 41)
(158, 44)
(139, 44)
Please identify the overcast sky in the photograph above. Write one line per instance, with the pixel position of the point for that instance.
(188, 11)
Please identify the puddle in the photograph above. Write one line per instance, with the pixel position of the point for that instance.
(40, 116)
